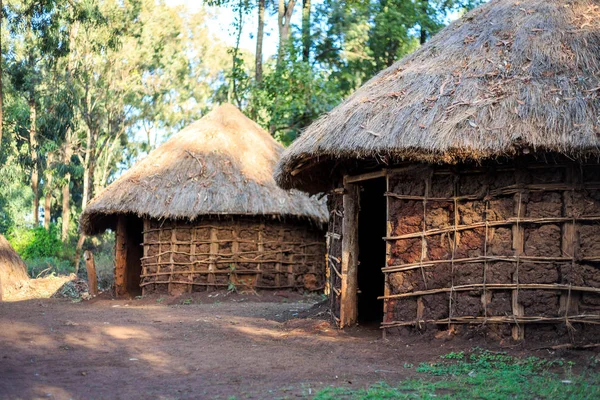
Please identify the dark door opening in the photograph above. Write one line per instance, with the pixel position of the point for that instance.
(371, 250)
(135, 252)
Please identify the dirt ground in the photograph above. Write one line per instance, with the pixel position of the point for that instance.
(209, 346)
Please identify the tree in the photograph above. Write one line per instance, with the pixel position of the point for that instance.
(39, 43)
(284, 16)
(260, 34)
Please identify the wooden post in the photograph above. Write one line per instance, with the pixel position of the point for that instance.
(388, 253)
(518, 233)
(349, 300)
(145, 259)
(121, 257)
(214, 255)
(90, 266)
(192, 274)
(173, 250)
(279, 259)
(261, 249)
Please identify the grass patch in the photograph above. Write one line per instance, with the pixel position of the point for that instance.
(481, 374)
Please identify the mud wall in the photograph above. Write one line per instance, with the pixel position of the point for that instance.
(509, 246)
(225, 253)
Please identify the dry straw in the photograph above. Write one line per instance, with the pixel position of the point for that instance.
(220, 165)
(509, 76)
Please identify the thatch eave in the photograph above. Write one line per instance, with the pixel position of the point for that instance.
(222, 165)
(509, 75)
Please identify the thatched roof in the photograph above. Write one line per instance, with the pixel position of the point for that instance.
(510, 76)
(220, 165)
(13, 271)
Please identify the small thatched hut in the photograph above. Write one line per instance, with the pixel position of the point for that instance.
(13, 271)
(203, 210)
(476, 159)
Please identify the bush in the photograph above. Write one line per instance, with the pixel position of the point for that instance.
(105, 265)
(37, 243)
(48, 265)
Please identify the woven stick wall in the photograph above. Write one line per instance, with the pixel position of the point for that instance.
(500, 245)
(241, 253)
(334, 251)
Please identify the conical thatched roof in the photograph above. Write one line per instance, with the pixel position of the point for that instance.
(510, 75)
(13, 271)
(220, 165)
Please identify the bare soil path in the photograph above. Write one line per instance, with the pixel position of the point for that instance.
(198, 348)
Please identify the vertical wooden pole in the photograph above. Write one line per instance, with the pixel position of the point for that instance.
(261, 250)
(214, 252)
(518, 233)
(145, 247)
(291, 280)
(173, 249)
(235, 249)
(192, 274)
(349, 300)
(279, 259)
(121, 257)
(388, 252)
(568, 243)
(90, 266)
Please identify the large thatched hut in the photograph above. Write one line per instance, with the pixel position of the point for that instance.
(476, 159)
(203, 211)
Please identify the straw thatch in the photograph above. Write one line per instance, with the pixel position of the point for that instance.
(509, 77)
(219, 165)
(13, 270)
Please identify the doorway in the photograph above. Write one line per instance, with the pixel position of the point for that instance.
(371, 250)
(135, 252)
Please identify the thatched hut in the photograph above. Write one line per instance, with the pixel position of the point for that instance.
(13, 271)
(203, 211)
(476, 159)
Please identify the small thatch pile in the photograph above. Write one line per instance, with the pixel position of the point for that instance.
(13, 271)
(220, 165)
(511, 76)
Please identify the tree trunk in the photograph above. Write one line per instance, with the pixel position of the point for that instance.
(306, 40)
(284, 15)
(33, 151)
(89, 166)
(106, 169)
(66, 190)
(423, 33)
(259, 40)
(78, 252)
(66, 208)
(1, 94)
(90, 266)
(48, 189)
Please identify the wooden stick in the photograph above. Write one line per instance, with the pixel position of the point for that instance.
(480, 259)
(494, 286)
(587, 319)
(90, 266)
(348, 303)
(121, 256)
(510, 221)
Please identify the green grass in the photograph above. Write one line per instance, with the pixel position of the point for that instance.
(481, 374)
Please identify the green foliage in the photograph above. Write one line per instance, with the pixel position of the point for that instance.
(291, 96)
(105, 265)
(36, 242)
(44, 266)
(483, 375)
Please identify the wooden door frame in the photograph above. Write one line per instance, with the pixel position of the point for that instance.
(349, 295)
(350, 232)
